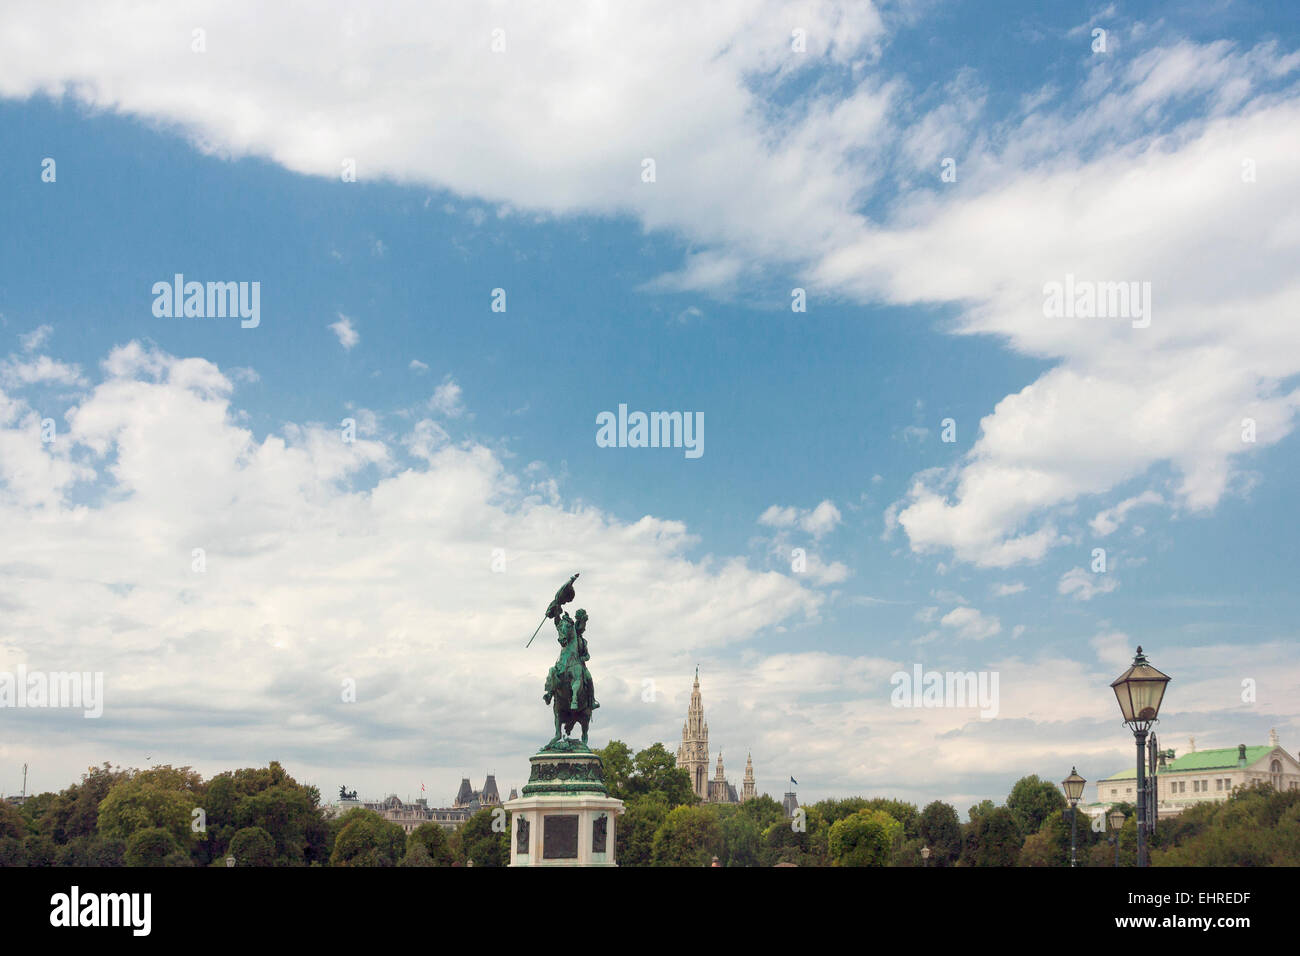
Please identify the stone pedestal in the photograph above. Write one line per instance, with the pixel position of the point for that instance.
(565, 817)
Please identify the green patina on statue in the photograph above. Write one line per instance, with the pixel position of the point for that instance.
(569, 689)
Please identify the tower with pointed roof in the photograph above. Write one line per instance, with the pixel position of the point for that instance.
(693, 752)
(747, 787)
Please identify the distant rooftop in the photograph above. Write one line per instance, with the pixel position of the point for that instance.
(1222, 758)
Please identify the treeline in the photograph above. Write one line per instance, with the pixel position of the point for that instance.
(664, 825)
(166, 816)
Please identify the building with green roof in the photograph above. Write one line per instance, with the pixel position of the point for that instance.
(1202, 776)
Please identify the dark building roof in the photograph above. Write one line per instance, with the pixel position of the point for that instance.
(490, 790)
(790, 804)
(466, 793)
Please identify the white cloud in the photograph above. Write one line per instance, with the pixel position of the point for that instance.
(37, 337)
(1084, 586)
(971, 624)
(41, 370)
(418, 366)
(348, 336)
(446, 399)
(818, 521)
(1137, 175)
(314, 575)
(700, 93)
(823, 573)
(1108, 521)
(778, 517)
(1009, 588)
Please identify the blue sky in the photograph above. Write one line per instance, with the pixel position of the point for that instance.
(822, 428)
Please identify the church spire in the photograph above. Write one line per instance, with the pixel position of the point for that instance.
(747, 788)
(693, 752)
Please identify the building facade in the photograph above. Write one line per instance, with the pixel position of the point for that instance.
(1203, 776)
(408, 816)
(693, 757)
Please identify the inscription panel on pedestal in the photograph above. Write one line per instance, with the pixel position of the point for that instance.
(560, 837)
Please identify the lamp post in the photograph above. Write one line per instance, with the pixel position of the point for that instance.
(1073, 786)
(925, 856)
(1116, 818)
(1139, 690)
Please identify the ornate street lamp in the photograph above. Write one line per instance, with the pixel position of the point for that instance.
(1073, 786)
(1116, 818)
(1139, 690)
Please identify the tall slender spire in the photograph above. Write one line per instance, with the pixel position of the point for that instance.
(693, 753)
(747, 788)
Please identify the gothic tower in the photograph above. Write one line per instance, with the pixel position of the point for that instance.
(693, 753)
(747, 788)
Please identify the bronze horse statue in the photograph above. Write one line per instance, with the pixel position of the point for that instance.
(569, 688)
(559, 694)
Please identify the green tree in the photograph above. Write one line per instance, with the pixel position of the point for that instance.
(802, 840)
(1255, 826)
(634, 834)
(433, 839)
(91, 851)
(655, 770)
(40, 850)
(145, 802)
(36, 810)
(689, 836)
(253, 846)
(617, 764)
(940, 830)
(269, 798)
(485, 838)
(155, 846)
(1033, 800)
(12, 824)
(417, 855)
(367, 839)
(764, 811)
(992, 839)
(1050, 846)
(865, 838)
(285, 813)
(75, 811)
(742, 840)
